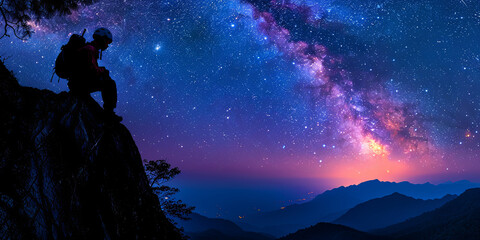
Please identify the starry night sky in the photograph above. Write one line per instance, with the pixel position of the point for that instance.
(263, 101)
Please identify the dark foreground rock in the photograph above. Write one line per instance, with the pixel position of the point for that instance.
(65, 174)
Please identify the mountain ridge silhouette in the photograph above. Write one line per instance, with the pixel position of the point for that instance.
(457, 219)
(331, 204)
(388, 210)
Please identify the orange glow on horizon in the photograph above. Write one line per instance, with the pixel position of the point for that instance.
(344, 172)
(359, 171)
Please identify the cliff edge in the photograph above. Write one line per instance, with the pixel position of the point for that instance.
(66, 174)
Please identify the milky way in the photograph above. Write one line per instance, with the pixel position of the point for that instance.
(368, 117)
(340, 91)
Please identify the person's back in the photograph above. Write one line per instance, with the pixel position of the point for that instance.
(88, 77)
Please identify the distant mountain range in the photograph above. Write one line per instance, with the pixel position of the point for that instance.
(329, 231)
(401, 217)
(457, 219)
(332, 204)
(388, 210)
(203, 228)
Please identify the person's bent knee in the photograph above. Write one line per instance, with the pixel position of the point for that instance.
(110, 83)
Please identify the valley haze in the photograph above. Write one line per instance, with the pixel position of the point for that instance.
(233, 199)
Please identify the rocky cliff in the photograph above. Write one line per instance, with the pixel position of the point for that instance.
(64, 173)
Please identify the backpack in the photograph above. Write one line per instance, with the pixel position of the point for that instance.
(65, 62)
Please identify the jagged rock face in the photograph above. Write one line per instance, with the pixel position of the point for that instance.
(66, 174)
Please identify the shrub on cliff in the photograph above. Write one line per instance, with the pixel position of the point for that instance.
(159, 172)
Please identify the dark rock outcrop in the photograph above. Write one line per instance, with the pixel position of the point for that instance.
(65, 174)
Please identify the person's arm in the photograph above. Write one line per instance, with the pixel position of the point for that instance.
(92, 65)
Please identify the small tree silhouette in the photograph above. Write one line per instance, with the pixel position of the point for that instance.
(159, 172)
(17, 14)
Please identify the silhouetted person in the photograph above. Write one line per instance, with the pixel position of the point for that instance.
(88, 77)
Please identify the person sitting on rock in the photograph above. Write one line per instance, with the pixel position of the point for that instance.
(88, 77)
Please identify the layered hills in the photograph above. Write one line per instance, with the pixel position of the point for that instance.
(388, 210)
(332, 204)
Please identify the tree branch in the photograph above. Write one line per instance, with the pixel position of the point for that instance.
(17, 13)
(6, 22)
